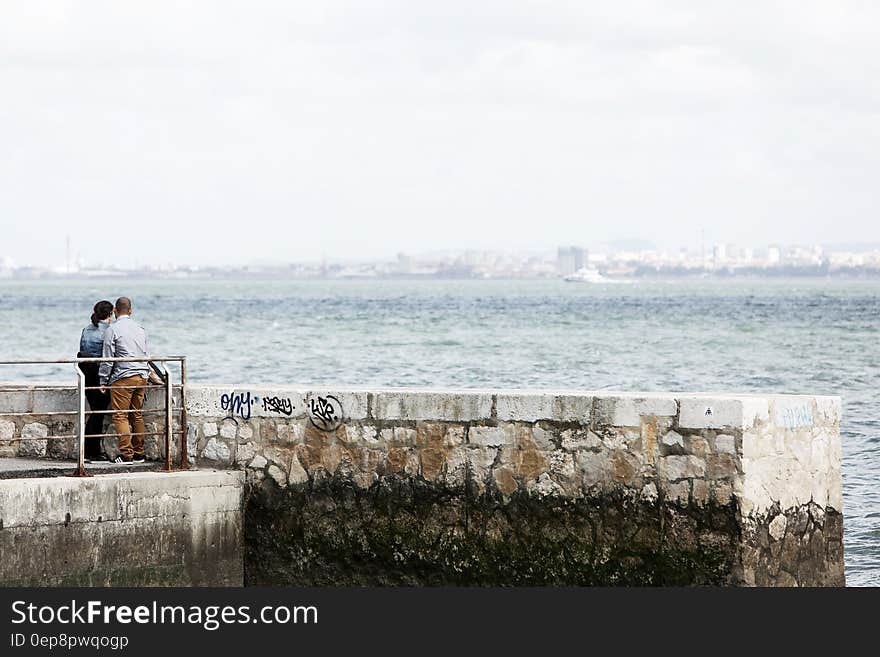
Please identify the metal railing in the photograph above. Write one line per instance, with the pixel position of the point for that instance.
(164, 375)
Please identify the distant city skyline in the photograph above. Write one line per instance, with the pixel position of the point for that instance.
(71, 255)
(53, 252)
(69, 251)
(626, 259)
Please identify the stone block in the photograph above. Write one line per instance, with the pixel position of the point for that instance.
(725, 444)
(454, 435)
(154, 399)
(573, 408)
(577, 439)
(7, 432)
(608, 469)
(361, 434)
(278, 475)
(700, 491)
(33, 440)
(681, 467)
(456, 467)
(440, 435)
(721, 466)
(697, 445)
(203, 401)
(216, 450)
(448, 406)
(432, 460)
(353, 405)
(531, 463)
(54, 401)
(626, 411)
(480, 461)
(244, 453)
(7, 429)
(17, 401)
(398, 436)
(402, 460)
(673, 439)
(525, 407)
(490, 436)
(532, 407)
(722, 492)
(527, 436)
(298, 475)
(505, 481)
(292, 432)
(710, 413)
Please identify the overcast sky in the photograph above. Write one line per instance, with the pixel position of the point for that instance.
(216, 131)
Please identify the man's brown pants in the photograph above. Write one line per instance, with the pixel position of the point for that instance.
(128, 395)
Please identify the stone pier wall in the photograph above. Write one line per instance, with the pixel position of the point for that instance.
(529, 488)
(520, 488)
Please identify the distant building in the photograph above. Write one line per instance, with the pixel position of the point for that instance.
(404, 263)
(774, 255)
(719, 255)
(571, 258)
(7, 265)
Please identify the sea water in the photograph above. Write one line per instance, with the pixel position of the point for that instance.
(807, 336)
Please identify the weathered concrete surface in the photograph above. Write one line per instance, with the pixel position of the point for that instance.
(132, 529)
(515, 487)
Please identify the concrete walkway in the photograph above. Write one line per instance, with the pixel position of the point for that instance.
(19, 468)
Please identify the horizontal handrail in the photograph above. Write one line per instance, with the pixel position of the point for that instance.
(60, 388)
(73, 361)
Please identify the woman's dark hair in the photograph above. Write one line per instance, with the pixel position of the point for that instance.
(102, 310)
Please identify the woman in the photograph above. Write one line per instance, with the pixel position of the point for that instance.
(91, 345)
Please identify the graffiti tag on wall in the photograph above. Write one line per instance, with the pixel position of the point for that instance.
(325, 412)
(237, 404)
(278, 405)
(794, 417)
(240, 405)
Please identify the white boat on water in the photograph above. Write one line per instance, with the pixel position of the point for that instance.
(588, 275)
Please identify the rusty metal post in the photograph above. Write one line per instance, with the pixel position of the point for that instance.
(184, 434)
(81, 422)
(169, 420)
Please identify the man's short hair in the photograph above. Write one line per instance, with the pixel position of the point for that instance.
(123, 305)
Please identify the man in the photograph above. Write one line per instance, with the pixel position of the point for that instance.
(126, 381)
